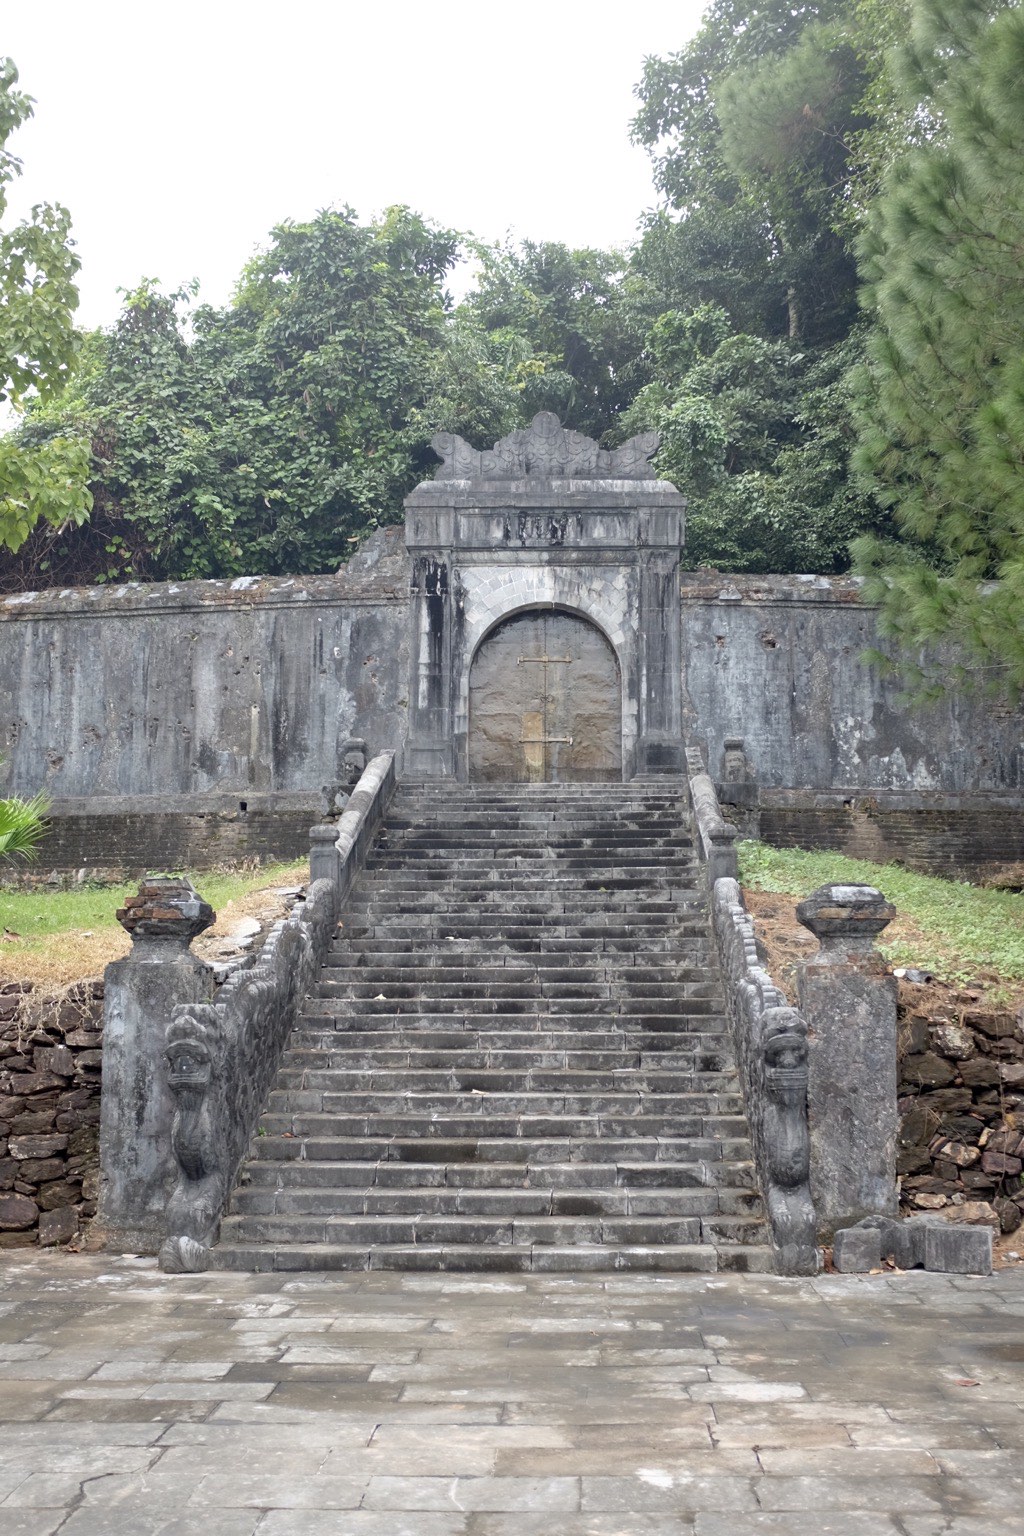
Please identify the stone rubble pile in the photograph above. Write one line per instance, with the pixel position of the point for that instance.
(961, 1089)
(50, 1055)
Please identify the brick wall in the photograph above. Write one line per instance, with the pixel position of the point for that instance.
(964, 843)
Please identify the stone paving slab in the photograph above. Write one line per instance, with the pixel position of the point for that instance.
(138, 1404)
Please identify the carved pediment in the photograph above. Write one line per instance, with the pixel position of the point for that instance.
(547, 449)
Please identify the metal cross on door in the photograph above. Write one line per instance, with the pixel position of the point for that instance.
(544, 702)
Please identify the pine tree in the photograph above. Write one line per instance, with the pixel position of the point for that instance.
(941, 399)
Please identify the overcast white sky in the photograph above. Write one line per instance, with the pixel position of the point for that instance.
(178, 135)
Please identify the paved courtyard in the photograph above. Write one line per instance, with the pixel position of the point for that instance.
(444, 1405)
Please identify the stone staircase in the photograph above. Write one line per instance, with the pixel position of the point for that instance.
(517, 1057)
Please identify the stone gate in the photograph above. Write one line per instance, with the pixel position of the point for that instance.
(545, 522)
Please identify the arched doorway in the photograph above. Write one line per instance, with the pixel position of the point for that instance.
(545, 702)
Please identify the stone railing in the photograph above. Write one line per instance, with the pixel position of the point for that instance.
(337, 850)
(716, 837)
(186, 1071)
(221, 1058)
(771, 1050)
(770, 1040)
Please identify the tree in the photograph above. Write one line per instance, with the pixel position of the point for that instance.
(750, 128)
(38, 298)
(941, 399)
(564, 307)
(678, 119)
(757, 435)
(788, 123)
(267, 436)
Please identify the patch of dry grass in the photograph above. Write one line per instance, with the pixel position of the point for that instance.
(80, 934)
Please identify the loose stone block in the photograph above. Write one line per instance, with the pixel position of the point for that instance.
(37, 1146)
(953, 1249)
(57, 1226)
(857, 1250)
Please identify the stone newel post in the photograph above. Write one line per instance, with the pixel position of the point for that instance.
(848, 1000)
(137, 1167)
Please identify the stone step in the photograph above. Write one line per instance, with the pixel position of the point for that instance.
(631, 981)
(520, 1116)
(653, 1180)
(432, 920)
(539, 1023)
(494, 1200)
(294, 1077)
(512, 1006)
(449, 956)
(600, 892)
(333, 1100)
(470, 1146)
(638, 884)
(449, 990)
(600, 1258)
(381, 946)
(515, 1230)
(668, 862)
(488, 1033)
(534, 847)
(347, 1058)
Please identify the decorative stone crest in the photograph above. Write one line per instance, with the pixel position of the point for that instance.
(545, 448)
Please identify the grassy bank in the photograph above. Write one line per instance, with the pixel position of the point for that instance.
(55, 936)
(961, 932)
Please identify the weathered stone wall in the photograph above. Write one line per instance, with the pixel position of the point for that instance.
(959, 836)
(219, 702)
(50, 1055)
(186, 724)
(840, 760)
(779, 661)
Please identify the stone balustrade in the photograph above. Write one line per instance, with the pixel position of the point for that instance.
(186, 1071)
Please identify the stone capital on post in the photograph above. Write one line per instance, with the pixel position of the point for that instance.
(166, 907)
(141, 991)
(324, 858)
(848, 999)
(846, 919)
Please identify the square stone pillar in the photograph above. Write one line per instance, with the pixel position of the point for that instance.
(848, 999)
(137, 1165)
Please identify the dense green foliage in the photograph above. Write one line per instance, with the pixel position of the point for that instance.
(753, 129)
(942, 394)
(958, 931)
(757, 435)
(267, 435)
(787, 139)
(37, 343)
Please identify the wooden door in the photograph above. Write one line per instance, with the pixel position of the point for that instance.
(544, 702)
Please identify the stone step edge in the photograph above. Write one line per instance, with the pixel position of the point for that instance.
(700, 1258)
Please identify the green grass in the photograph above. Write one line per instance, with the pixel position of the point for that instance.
(959, 931)
(40, 913)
